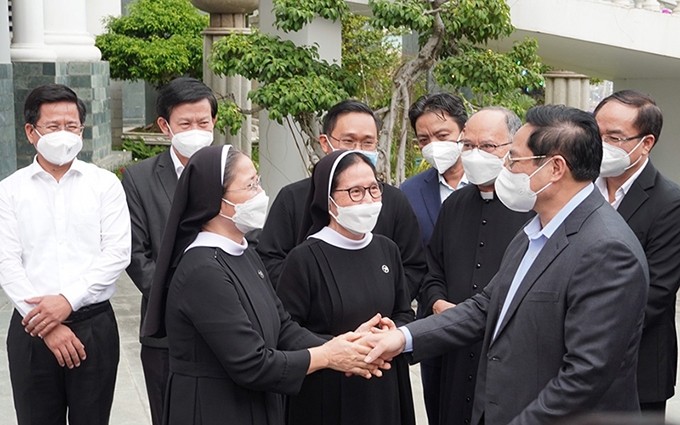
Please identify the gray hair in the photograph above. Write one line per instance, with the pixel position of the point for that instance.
(512, 121)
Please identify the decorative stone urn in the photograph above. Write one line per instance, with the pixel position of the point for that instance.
(226, 6)
(228, 17)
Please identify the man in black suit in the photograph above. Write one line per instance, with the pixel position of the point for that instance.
(561, 320)
(187, 110)
(630, 123)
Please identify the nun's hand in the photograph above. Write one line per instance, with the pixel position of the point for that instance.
(344, 354)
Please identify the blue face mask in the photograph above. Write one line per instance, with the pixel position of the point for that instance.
(372, 156)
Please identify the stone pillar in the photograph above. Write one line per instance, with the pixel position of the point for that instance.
(281, 162)
(28, 41)
(228, 17)
(66, 31)
(567, 88)
(8, 162)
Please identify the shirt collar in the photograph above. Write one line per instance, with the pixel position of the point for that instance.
(534, 231)
(462, 183)
(334, 238)
(601, 182)
(36, 169)
(176, 162)
(213, 240)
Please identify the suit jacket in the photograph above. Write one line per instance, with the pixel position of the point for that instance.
(568, 343)
(396, 221)
(422, 192)
(149, 187)
(652, 209)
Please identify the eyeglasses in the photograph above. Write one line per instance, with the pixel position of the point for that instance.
(619, 140)
(351, 144)
(509, 161)
(357, 193)
(486, 147)
(253, 186)
(52, 128)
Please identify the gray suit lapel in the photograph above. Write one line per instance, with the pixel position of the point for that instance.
(552, 249)
(165, 171)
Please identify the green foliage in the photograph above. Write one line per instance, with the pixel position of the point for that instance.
(141, 150)
(292, 15)
(229, 117)
(157, 41)
(399, 15)
(370, 58)
(492, 77)
(294, 81)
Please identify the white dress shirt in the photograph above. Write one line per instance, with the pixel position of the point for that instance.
(70, 237)
(601, 183)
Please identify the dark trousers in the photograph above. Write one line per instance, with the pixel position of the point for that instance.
(656, 409)
(45, 393)
(430, 375)
(156, 369)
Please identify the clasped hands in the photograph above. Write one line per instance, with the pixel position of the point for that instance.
(45, 321)
(366, 351)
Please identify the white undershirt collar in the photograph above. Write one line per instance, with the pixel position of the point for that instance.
(213, 240)
(334, 238)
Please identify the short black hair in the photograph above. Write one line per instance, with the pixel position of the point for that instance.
(50, 93)
(183, 90)
(346, 107)
(438, 103)
(649, 118)
(570, 132)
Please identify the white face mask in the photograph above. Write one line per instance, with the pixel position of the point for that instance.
(60, 147)
(441, 155)
(514, 189)
(189, 142)
(481, 168)
(615, 161)
(358, 219)
(251, 214)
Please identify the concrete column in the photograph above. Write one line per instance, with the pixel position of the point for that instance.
(66, 31)
(8, 153)
(567, 88)
(28, 42)
(281, 161)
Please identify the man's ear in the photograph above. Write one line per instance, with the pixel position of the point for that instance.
(325, 144)
(163, 125)
(31, 134)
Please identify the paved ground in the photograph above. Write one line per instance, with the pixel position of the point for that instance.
(130, 406)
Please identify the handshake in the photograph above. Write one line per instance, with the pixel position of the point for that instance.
(366, 351)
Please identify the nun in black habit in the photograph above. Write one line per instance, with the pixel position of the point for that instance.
(233, 348)
(337, 277)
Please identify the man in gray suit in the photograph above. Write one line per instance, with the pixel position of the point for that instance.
(561, 320)
(187, 110)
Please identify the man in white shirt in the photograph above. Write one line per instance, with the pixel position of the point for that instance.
(65, 232)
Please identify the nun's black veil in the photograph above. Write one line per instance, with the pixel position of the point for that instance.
(316, 208)
(197, 200)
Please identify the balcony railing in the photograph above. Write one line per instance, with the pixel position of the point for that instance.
(664, 6)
